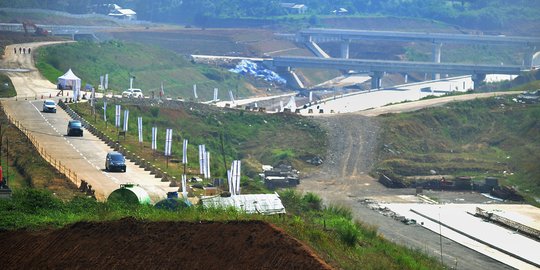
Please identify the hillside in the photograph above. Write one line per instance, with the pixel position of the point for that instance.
(256, 138)
(149, 65)
(486, 137)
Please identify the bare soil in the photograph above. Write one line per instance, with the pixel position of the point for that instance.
(132, 244)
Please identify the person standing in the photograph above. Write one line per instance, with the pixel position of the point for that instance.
(20, 49)
(24, 50)
(15, 49)
(29, 50)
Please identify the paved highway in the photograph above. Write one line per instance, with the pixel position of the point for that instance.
(83, 155)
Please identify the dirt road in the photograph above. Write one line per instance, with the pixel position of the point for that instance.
(343, 180)
(28, 84)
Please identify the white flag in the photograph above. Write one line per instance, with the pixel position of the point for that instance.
(154, 138)
(184, 186)
(126, 119)
(215, 94)
(229, 180)
(139, 127)
(161, 92)
(207, 164)
(168, 142)
(92, 98)
(281, 105)
(202, 149)
(105, 111)
(131, 82)
(231, 96)
(238, 173)
(101, 86)
(310, 96)
(195, 91)
(106, 81)
(184, 151)
(117, 116)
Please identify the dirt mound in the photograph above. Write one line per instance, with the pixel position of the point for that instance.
(132, 244)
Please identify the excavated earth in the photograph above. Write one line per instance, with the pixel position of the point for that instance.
(134, 244)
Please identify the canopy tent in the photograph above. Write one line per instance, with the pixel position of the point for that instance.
(70, 81)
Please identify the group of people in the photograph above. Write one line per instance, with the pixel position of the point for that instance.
(22, 50)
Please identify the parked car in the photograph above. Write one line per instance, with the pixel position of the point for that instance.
(132, 92)
(49, 106)
(74, 128)
(115, 162)
(137, 93)
(127, 93)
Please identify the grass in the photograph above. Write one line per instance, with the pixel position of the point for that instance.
(25, 167)
(6, 87)
(150, 65)
(480, 138)
(331, 232)
(255, 138)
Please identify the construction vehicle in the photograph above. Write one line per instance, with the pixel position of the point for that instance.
(38, 31)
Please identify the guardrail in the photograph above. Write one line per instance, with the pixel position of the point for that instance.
(69, 174)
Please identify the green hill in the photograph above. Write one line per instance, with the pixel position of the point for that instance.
(149, 65)
(486, 137)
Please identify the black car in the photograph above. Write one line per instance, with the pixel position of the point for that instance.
(115, 162)
(74, 128)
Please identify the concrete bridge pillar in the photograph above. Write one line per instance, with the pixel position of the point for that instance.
(376, 78)
(478, 79)
(528, 57)
(345, 44)
(436, 57)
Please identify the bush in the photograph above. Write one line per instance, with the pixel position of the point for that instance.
(34, 200)
(340, 211)
(312, 202)
(347, 231)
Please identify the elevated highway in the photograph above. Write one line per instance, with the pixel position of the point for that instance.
(529, 45)
(377, 68)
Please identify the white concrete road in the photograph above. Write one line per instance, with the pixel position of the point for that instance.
(83, 155)
(366, 100)
(460, 225)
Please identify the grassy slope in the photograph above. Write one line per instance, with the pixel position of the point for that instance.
(26, 167)
(6, 87)
(253, 137)
(150, 66)
(479, 138)
(331, 232)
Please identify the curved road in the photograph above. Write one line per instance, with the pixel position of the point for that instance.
(83, 155)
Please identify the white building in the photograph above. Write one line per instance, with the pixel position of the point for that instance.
(122, 13)
(294, 8)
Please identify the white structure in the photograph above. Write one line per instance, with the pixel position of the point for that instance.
(70, 81)
(294, 8)
(122, 13)
(265, 204)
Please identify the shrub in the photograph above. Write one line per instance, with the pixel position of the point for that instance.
(312, 202)
(347, 231)
(34, 200)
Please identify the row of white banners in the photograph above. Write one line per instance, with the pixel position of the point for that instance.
(204, 155)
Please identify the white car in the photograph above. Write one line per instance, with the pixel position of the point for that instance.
(132, 92)
(127, 93)
(137, 93)
(49, 106)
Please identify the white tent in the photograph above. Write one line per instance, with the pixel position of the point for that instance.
(70, 81)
